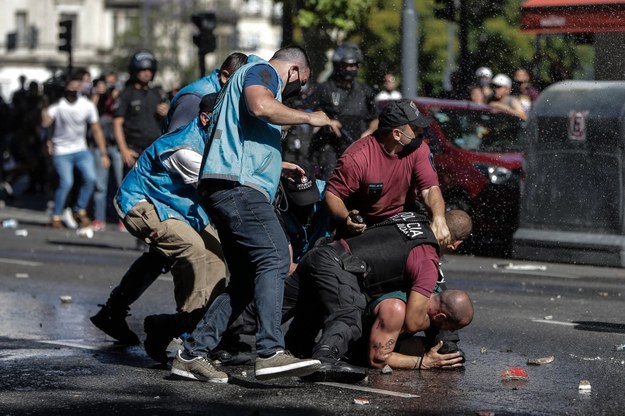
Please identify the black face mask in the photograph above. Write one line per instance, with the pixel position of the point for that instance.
(413, 145)
(292, 88)
(71, 96)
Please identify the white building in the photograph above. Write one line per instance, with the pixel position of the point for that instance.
(250, 26)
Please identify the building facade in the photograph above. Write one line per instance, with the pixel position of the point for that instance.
(29, 35)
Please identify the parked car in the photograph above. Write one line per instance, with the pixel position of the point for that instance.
(478, 156)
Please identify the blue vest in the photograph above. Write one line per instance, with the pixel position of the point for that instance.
(150, 180)
(205, 85)
(243, 148)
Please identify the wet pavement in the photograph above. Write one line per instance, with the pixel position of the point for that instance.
(53, 361)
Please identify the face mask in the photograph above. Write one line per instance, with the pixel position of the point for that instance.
(292, 88)
(71, 96)
(348, 74)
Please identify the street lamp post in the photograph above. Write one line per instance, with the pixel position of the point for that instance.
(409, 49)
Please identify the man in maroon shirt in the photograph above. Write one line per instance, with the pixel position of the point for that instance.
(384, 173)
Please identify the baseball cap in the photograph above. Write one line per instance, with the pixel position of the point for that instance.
(302, 190)
(401, 112)
(502, 80)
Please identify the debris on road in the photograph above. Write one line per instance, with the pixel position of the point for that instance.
(514, 373)
(21, 233)
(620, 347)
(66, 299)
(483, 350)
(85, 232)
(9, 223)
(524, 267)
(584, 386)
(22, 275)
(387, 369)
(361, 400)
(541, 361)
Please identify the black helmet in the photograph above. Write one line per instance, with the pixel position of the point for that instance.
(142, 60)
(347, 53)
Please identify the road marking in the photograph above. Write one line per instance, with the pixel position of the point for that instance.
(72, 343)
(368, 389)
(20, 262)
(549, 321)
(539, 273)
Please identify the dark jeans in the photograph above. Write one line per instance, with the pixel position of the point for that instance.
(257, 254)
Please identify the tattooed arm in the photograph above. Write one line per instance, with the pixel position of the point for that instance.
(388, 324)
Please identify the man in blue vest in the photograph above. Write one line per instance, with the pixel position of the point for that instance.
(158, 204)
(239, 177)
(183, 107)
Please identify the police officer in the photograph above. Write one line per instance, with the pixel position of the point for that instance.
(347, 100)
(140, 110)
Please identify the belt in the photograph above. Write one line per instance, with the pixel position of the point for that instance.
(210, 186)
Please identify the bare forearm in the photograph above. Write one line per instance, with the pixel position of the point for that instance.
(336, 207)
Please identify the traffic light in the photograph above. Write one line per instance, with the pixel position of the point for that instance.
(65, 35)
(445, 9)
(205, 39)
(11, 41)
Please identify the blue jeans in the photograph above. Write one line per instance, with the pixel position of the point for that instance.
(64, 165)
(100, 192)
(257, 254)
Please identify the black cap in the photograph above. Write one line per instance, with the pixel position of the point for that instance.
(401, 112)
(208, 103)
(302, 190)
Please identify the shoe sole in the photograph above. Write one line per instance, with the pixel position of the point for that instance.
(335, 376)
(299, 369)
(190, 376)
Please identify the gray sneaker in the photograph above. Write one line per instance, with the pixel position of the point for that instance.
(283, 364)
(199, 368)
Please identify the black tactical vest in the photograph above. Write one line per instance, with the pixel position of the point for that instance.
(385, 247)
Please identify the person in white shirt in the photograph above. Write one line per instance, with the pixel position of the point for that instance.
(67, 144)
(390, 89)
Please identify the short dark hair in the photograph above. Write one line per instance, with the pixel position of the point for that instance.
(459, 224)
(233, 62)
(293, 53)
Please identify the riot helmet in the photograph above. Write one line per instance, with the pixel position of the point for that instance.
(142, 60)
(345, 61)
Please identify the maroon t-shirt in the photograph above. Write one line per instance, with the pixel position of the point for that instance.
(377, 184)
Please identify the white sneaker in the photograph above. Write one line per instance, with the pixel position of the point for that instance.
(67, 218)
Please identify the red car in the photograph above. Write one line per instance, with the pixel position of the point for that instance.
(478, 155)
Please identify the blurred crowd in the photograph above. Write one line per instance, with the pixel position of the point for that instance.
(27, 159)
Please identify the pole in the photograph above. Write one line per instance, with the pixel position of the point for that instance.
(409, 47)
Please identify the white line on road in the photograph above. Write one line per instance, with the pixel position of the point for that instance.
(72, 343)
(549, 321)
(368, 389)
(20, 262)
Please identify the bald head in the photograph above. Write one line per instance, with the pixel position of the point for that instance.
(457, 307)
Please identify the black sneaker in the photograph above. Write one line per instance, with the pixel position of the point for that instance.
(113, 323)
(333, 369)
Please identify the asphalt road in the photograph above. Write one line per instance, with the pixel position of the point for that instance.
(54, 362)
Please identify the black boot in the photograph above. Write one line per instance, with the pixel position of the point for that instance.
(112, 321)
(333, 368)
